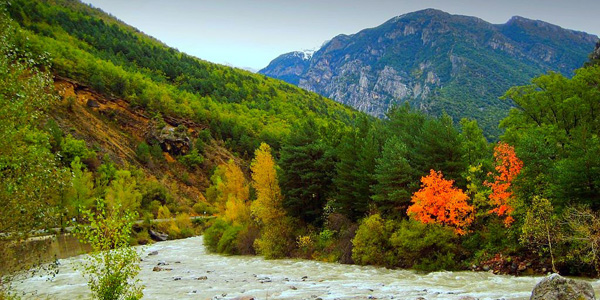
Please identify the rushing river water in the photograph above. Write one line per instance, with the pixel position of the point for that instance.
(197, 274)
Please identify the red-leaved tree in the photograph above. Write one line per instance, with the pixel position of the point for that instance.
(508, 166)
(439, 202)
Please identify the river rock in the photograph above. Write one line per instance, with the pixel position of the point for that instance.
(556, 287)
(157, 236)
(153, 253)
(243, 298)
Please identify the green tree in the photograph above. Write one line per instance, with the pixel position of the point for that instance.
(81, 193)
(72, 148)
(540, 228)
(396, 179)
(31, 180)
(123, 193)
(307, 165)
(475, 146)
(357, 153)
(554, 127)
(113, 265)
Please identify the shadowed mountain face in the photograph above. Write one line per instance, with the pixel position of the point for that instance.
(437, 62)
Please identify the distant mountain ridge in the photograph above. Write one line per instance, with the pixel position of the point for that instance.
(437, 62)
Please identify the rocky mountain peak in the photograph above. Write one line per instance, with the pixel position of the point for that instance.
(436, 61)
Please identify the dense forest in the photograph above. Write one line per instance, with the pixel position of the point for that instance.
(301, 175)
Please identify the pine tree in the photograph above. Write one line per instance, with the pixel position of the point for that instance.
(308, 167)
(355, 169)
(396, 178)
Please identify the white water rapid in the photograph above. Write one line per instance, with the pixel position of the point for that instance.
(197, 274)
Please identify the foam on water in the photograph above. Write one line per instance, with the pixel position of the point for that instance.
(232, 276)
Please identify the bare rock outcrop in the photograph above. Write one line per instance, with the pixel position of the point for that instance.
(556, 287)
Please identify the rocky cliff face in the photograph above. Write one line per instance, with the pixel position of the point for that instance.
(436, 61)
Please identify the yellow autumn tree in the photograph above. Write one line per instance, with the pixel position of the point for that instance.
(267, 209)
(236, 194)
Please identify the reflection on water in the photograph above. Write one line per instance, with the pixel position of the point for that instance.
(38, 250)
(189, 272)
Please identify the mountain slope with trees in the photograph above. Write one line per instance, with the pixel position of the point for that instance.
(437, 62)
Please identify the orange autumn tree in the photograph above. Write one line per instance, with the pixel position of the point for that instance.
(508, 166)
(439, 202)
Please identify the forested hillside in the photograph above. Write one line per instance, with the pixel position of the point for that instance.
(241, 108)
(437, 62)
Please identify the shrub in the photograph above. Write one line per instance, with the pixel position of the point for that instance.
(113, 265)
(227, 243)
(143, 238)
(426, 247)
(156, 152)
(173, 231)
(371, 243)
(164, 213)
(276, 239)
(213, 234)
(142, 152)
(183, 222)
(203, 208)
(192, 160)
(245, 239)
(306, 245)
(71, 148)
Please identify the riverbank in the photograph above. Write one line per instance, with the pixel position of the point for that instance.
(190, 272)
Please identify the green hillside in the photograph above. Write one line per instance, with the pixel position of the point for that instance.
(111, 57)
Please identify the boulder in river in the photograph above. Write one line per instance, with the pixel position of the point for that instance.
(556, 287)
(157, 236)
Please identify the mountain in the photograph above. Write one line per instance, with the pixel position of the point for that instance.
(437, 62)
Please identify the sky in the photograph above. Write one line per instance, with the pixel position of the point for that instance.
(250, 33)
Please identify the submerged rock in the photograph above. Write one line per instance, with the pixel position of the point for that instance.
(556, 287)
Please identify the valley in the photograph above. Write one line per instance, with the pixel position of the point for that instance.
(105, 130)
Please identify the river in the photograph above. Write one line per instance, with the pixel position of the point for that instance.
(197, 274)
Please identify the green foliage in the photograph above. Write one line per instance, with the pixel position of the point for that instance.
(156, 153)
(123, 193)
(540, 227)
(372, 242)
(142, 152)
(357, 153)
(555, 129)
(31, 180)
(307, 170)
(113, 265)
(80, 195)
(228, 242)
(426, 247)
(395, 178)
(70, 148)
(203, 208)
(582, 233)
(239, 107)
(213, 234)
(192, 160)
(183, 227)
(475, 146)
(276, 240)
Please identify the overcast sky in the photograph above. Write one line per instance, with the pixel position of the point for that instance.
(249, 34)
